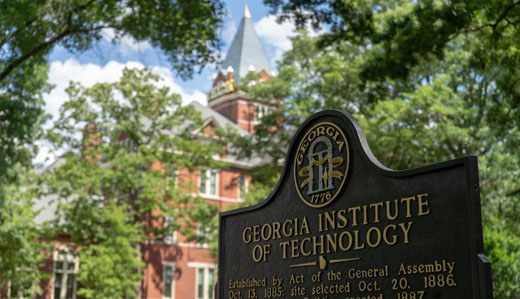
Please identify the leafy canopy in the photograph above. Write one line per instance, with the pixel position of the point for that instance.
(117, 181)
(445, 107)
(187, 31)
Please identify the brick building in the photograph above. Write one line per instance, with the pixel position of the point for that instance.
(176, 268)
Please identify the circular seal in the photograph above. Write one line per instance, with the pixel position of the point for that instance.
(321, 164)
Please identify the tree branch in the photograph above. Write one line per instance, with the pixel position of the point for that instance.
(514, 192)
(10, 35)
(47, 43)
(7, 38)
(500, 19)
(504, 14)
(30, 53)
(42, 46)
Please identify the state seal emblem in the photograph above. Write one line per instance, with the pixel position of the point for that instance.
(321, 164)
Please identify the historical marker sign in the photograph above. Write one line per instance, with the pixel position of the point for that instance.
(341, 225)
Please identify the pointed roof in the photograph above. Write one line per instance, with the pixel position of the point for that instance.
(247, 15)
(246, 50)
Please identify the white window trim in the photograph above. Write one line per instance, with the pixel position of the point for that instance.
(207, 175)
(169, 264)
(175, 177)
(246, 187)
(260, 110)
(64, 277)
(201, 265)
(9, 285)
(213, 197)
(205, 288)
(173, 235)
(201, 233)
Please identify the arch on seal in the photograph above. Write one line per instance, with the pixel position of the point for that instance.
(324, 181)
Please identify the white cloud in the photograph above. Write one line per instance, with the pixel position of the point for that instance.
(277, 35)
(88, 74)
(61, 73)
(127, 44)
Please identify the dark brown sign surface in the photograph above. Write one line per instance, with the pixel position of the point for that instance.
(341, 225)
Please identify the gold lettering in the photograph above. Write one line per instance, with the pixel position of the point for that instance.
(246, 236)
(287, 232)
(423, 204)
(341, 236)
(276, 230)
(408, 210)
(311, 136)
(316, 244)
(402, 270)
(332, 242)
(284, 249)
(256, 233)
(305, 144)
(342, 218)
(392, 217)
(330, 131)
(329, 220)
(320, 131)
(340, 144)
(406, 230)
(294, 248)
(369, 237)
(356, 241)
(266, 236)
(305, 253)
(354, 211)
(376, 210)
(304, 227)
(385, 235)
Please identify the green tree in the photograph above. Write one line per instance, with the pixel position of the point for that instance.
(186, 31)
(402, 33)
(445, 108)
(115, 186)
(20, 249)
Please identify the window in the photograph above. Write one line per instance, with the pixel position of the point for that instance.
(204, 233)
(205, 283)
(22, 289)
(261, 111)
(242, 185)
(170, 235)
(168, 280)
(65, 269)
(174, 177)
(208, 182)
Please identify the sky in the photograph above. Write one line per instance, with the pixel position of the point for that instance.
(105, 61)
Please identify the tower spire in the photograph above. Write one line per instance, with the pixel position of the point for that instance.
(247, 15)
(246, 50)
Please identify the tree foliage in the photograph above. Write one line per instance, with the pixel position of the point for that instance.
(186, 31)
(441, 107)
(20, 249)
(116, 183)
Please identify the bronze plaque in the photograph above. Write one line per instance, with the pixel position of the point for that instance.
(341, 225)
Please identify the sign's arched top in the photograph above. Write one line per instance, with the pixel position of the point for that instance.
(321, 164)
(357, 216)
